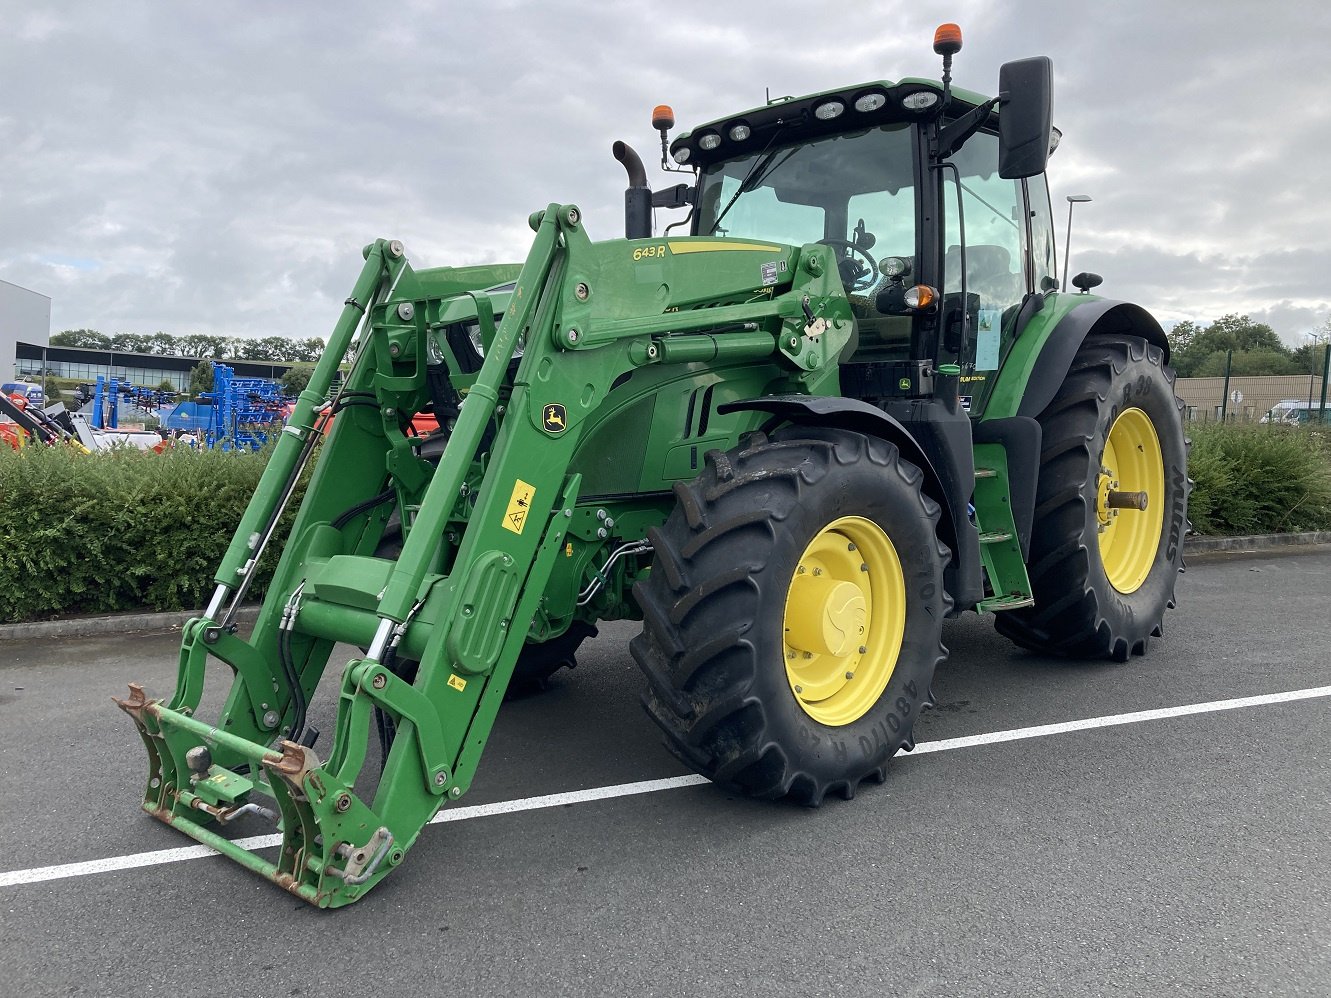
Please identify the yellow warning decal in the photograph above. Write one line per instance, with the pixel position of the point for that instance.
(515, 518)
(720, 246)
(457, 682)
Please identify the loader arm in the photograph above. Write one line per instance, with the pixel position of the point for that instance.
(483, 531)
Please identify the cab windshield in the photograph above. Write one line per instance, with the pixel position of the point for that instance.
(856, 188)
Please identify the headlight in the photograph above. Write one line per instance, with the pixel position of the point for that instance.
(474, 334)
(919, 100)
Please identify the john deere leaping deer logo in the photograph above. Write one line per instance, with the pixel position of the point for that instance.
(554, 418)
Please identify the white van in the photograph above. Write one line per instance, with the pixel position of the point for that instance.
(1296, 411)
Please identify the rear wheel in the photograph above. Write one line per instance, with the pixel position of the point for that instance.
(792, 619)
(1111, 506)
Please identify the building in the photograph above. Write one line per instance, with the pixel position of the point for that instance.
(25, 316)
(144, 369)
(1249, 398)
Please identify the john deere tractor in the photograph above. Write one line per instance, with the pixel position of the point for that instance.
(840, 401)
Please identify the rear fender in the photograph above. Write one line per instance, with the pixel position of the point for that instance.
(1042, 356)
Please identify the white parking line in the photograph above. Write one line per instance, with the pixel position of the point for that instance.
(162, 856)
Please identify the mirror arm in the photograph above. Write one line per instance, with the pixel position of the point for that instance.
(679, 196)
(953, 136)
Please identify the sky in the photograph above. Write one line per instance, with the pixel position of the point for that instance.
(216, 168)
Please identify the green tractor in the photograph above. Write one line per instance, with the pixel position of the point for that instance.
(850, 402)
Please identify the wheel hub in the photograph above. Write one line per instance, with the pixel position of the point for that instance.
(844, 621)
(1131, 483)
(828, 615)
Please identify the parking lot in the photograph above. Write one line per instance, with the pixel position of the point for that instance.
(1038, 842)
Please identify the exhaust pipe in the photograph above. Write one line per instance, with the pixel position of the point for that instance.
(638, 196)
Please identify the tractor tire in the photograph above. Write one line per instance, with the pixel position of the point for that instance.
(792, 620)
(1102, 573)
(536, 664)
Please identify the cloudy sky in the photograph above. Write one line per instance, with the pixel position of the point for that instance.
(217, 167)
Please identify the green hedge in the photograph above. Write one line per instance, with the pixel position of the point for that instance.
(130, 530)
(124, 530)
(1259, 479)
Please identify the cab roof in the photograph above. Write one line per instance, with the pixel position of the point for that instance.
(862, 105)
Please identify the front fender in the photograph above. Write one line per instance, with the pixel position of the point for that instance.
(949, 471)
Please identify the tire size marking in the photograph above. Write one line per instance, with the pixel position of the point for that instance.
(885, 730)
(1178, 515)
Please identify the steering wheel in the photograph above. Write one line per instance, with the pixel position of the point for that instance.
(854, 274)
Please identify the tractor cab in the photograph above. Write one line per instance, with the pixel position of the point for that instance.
(935, 205)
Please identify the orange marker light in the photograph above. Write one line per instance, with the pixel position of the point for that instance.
(663, 117)
(947, 39)
(920, 297)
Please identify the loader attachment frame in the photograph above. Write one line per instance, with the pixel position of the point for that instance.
(482, 534)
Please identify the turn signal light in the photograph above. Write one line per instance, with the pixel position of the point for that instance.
(920, 297)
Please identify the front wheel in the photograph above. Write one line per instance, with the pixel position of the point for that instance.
(1111, 506)
(793, 616)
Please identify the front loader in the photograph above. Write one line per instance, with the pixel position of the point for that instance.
(849, 403)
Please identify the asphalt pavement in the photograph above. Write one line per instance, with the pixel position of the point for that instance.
(1184, 855)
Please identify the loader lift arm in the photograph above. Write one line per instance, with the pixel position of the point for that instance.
(482, 534)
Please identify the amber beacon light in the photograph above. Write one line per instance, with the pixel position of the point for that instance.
(947, 39)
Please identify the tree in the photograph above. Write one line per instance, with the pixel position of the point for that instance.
(162, 344)
(1310, 357)
(310, 350)
(278, 348)
(1238, 332)
(87, 339)
(1247, 363)
(1182, 335)
(131, 343)
(1197, 349)
(297, 379)
(201, 377)
(200, 345)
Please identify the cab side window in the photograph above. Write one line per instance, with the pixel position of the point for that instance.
(1043, 259)
(994, 212)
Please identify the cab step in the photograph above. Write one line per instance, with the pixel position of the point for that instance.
(997, 604)
(1000, 548)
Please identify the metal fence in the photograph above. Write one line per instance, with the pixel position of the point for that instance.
(1288, 398)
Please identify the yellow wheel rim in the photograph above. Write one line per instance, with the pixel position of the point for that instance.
(844, 621)
(1132, 473)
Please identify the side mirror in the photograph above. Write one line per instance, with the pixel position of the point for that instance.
(1025, 117)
